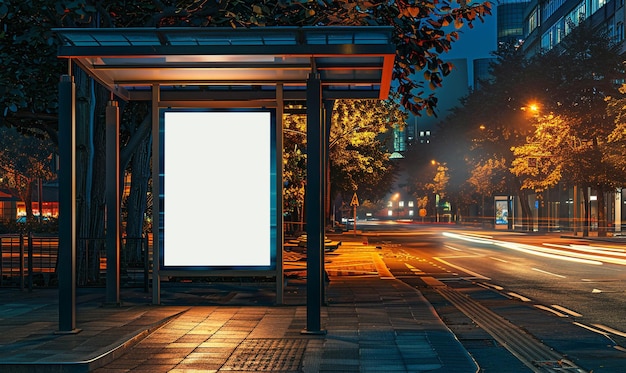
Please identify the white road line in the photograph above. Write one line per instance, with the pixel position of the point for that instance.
(452, 248)
(610, 330)
(548, 273)
(469, 272)
(567, 310)
(493, 286)
(520, 297)
(591, 329)
(559, 314)
(413, 269)
(498, 259)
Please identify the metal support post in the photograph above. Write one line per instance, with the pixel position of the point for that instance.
(113, 203)
(280, 276)
(67, 206)
(156, 196)
(314, 204)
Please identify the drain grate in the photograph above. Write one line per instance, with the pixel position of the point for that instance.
(267, 355)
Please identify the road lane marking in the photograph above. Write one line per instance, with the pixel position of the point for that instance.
(498, 259)
(452, 248)
(591, 329)
(548, 273)
(545, 308)
(518, 296)
(431, 281)
(414, 269)
(610, 330)
(497, 287)
(469, 272)
(567, 310)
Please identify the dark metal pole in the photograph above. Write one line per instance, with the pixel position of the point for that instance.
(146, 264)
(30, 261)
(67, 206)
(314, 204)
(22, 282)
(113, 203)
(325, 129)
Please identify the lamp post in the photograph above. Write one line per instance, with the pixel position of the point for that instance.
(396, 198)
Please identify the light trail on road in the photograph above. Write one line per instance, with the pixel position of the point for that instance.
(540, 251)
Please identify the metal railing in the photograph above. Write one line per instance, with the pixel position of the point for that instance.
(29, 260)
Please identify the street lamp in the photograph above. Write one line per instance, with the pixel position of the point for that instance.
(396, 198)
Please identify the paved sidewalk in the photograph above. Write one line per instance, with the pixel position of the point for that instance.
(373, 323)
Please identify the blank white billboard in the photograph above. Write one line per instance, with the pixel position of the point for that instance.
(217, 189)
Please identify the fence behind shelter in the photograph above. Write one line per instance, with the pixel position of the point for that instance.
(29, 260)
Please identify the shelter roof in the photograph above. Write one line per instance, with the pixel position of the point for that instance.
(234, 64)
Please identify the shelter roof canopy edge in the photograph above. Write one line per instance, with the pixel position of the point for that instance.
(199, 63)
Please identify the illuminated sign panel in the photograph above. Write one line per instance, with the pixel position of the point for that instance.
(218, 190)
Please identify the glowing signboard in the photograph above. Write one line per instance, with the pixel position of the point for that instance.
(218, 189)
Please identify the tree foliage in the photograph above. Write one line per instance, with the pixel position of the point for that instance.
(548, 119)
(28, 47)
(24, 160)
(357, 154)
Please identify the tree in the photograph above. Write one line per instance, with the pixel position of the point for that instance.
(616, 141)
(477, 137)
(584, 71)
(24, 161)
(356, 152)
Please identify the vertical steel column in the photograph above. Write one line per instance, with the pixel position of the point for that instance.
(67, 205)
(325, 128)
(156, 196)
(617, 218)
(113, 202)
(280, 276)
(314, 203)
(575, 211)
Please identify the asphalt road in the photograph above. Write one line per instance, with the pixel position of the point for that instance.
(565, 292)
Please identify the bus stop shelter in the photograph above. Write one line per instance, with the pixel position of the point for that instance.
(214, 68)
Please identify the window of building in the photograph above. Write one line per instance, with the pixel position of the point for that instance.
(533, 20)
(410, 212)
(401, 204)
(596, 5)
(389, 204)
(410, 203)
(575, 17)
(549, 7)
(389, 212)
(399, 135)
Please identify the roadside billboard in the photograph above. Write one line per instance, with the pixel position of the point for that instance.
(217, 189)
(501, 204)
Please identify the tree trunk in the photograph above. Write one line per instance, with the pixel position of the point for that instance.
(90, 178)
(137, 199)
(526, 211)
(586, 210)
(602, 223)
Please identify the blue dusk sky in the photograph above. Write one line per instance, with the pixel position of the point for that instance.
(477, 42)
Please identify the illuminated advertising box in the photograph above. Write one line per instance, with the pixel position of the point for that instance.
(502, 212)
(218, 189)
